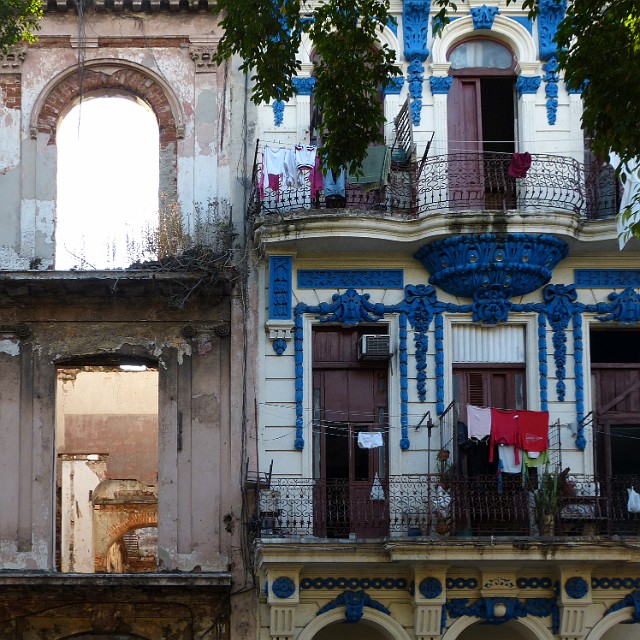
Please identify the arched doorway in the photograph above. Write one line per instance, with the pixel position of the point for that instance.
(374, 625)
(481, 124)
(344, 631)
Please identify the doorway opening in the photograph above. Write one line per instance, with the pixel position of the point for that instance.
(107, 468)
(350, 435)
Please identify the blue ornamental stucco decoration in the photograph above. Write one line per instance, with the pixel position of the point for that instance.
(304, 86)
(415, 23)
(576, 587)
(560, 299)
(491, 305)
(624, 307)
(630, 600)
(528, 85)
(430, 588)
(283, 587)
(534, 583)
(350, 278)
(485, 609)
(354, 583)
(551, 79)
(462, 583)
(606, 278)
(615, 583)
(280, 276)
(484, 16)
(420, 307)
(404, 384)
(354, 602)
(518, 263)
(551, 13)
(440, 84)
(394, 86)
(279, 346)
(278, 112)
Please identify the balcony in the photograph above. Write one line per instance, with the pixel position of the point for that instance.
(462, 182)
(425, 506)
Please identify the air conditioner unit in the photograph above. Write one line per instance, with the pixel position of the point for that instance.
(374, 346)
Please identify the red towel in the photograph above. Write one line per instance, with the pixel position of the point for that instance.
(520, 163)
(504, 430)
(534, 430)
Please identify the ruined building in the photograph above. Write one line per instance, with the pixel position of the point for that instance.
(121, 389)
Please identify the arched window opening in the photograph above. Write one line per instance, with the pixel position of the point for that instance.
(107, 467)
(107, 183)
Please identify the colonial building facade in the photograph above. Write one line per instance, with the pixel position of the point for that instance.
(471, 281)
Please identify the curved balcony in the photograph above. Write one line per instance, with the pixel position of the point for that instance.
(463, 182)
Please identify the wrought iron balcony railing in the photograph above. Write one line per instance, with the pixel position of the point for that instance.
(464, 181)
(430, 506)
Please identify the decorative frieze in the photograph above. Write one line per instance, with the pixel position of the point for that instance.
(203, 58)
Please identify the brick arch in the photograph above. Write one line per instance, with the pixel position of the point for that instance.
(109, 76)
(136, 520)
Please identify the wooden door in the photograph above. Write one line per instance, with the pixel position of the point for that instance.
(350, 397)
(466, 179)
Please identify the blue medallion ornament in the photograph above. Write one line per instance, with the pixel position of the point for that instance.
(283, 587)
(576, 587)
(354, 602)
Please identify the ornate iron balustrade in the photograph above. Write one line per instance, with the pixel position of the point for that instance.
(431, 506)
(465, 181)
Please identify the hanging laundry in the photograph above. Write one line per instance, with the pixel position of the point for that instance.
(279, 169)
(504, 430)
(507, 454)
(370, 440)
(334, 184)
(534, 430)
(308, 162)
(478, 422)
(534, 459)
(377, 491)
(375, 169)
(520, 164)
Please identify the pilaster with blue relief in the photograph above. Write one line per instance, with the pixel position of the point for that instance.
(415, 23)
(280, 323)
(551, 14)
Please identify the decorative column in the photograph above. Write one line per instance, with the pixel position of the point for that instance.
(575, 130)
(527, 86)
(206, 119)
(283, 596)
(551, 14)
(440, 83)
(304, 87)
(429, 598)
(280, 324)
(415, 23)
(10, 116)
(392, 101)
(575, 598)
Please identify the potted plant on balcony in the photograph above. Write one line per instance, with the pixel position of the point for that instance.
(552, 488)
(441, 501)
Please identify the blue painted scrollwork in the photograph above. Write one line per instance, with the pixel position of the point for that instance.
(440, 84)
(394, 86)
(298, 443)
(624, 307)
(415, 22)
(348, 308)
(278, 112)
(484, 16)
(500, 610)
(528, 85)
(404, 390)
(559, 309)
(304, 86)
(354, 602)
(630, 600)
(551, 79)
(550, 15)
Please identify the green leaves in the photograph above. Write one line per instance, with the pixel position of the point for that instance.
(18, 21)
(350, 70)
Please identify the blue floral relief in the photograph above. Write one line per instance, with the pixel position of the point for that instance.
(484, 16)
(415, 22)
(278, 112)
(354, 602)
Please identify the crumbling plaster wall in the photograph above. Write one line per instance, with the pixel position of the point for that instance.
(197, 483)
(173, 50)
